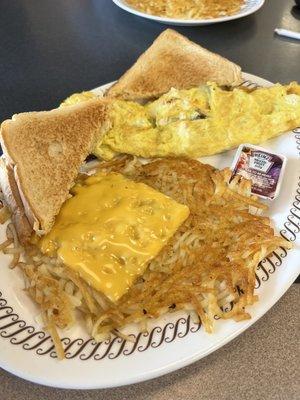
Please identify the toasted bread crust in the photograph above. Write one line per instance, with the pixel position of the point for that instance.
(45, 150)
(173, 61)
(13, 201)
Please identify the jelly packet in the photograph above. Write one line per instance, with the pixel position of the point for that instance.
(264, 168)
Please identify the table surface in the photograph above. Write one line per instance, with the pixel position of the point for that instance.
(52, 48)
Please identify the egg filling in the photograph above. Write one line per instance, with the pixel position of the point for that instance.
(200, 121)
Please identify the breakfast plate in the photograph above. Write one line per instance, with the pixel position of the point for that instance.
(250, 7)
(173, 341)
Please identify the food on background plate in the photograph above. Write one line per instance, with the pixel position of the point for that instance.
(126, 241)
(188, 9)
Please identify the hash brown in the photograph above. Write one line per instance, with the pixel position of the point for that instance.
(209, 263)
(188, 9)
(211, 260)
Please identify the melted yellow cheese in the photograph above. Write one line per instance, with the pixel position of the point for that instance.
(110, 229)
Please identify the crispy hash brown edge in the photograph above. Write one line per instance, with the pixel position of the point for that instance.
(200, 270)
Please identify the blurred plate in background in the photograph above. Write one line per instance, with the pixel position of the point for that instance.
(250, 7)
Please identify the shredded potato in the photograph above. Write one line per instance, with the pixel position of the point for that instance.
(188, 9)
(209, 262)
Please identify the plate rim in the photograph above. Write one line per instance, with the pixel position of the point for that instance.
(190, 22)
(189, 359)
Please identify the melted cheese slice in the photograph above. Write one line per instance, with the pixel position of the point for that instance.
(110, 229)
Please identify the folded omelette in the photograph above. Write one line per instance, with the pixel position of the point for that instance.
(200, 121)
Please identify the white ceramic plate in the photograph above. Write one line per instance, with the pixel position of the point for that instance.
(250, 7)
(174, 341)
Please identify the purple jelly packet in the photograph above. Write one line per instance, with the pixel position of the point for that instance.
(264, 168)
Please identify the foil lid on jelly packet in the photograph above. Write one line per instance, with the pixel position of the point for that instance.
(264, 168)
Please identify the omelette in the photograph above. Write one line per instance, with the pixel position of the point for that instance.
(200, 121)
